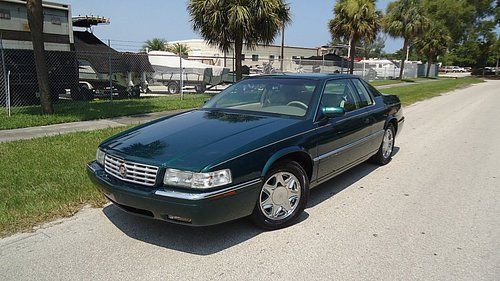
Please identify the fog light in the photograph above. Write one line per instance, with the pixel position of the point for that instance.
(177, 218)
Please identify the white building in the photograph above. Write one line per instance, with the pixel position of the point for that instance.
(252, 57)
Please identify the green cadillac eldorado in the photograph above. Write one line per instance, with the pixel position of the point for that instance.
(255, 149)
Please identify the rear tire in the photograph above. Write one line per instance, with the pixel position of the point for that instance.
(173, 88)
(200, 89)
(283, 196)
(384, 153)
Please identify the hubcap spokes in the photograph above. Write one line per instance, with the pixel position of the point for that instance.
(387, 143)
(280, 196)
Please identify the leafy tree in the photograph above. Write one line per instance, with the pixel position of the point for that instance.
(456, 15)
(35, 22)
(471, 25)
(229, 24)
(406, 19)
(355, 20)
(375, 48)
(433, 43)
(155, 44)
(179, 48)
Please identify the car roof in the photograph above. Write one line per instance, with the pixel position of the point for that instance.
(317, 76)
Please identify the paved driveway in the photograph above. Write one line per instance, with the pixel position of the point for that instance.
(433, 213)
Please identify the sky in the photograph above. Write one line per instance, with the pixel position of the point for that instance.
(138, 21)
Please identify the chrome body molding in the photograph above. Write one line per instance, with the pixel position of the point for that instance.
(206, 195)
(348, 146)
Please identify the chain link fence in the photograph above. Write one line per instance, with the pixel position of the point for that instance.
(106, 75)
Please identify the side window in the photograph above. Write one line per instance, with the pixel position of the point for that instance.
(4, 14)
(365, 97)
(339, 93)
(372, 89)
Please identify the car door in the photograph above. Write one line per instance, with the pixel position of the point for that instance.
(378, 113)
(337, 136)
(372, 115)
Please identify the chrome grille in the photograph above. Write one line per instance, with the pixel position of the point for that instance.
(130, 171)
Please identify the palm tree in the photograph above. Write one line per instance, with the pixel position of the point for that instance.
(229, 24)
(178, 48)
(155, 44)
(405, 18)
(433, 43)
(35, 22)
(355, 20)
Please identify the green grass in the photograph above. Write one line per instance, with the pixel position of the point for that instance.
(45, 178)
(72, 111)
(387, 82)
(413, 93)
(395, 81)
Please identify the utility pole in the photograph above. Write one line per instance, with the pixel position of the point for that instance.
(496, 69)
(181, 80)
(282, 47)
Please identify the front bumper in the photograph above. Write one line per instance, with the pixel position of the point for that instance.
(185, 207)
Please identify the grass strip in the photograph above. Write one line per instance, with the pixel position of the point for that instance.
(73, 111)
(45, 178)
(418, 92)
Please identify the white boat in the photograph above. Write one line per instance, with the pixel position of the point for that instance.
(385, 69)
(200, 75)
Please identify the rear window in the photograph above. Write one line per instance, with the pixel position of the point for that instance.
(372, 89)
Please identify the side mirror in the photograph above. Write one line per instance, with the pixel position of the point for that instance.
(332, 112)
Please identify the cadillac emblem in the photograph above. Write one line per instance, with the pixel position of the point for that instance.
(123, 170)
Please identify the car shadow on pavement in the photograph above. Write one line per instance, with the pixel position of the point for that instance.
(195, 240)
(213, 239)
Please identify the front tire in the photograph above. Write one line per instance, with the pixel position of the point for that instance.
(283, 196)
(384, 154)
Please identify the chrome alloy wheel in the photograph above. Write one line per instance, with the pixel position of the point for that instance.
(387, 143)
(280, 196)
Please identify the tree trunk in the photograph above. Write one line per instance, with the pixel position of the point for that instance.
(238, 47)
(429, 63)
(35, 21)
(402, 66)
(353, 54)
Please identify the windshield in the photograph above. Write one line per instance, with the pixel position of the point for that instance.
(271, 95)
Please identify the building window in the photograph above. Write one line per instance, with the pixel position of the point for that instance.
(55, 20)
(271, 57)
(4, 14)
(242, 56)
(255, 57)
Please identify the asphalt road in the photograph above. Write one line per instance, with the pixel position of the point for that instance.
(433, 213)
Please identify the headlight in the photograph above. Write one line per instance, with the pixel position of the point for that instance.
(197, 180)
(99, 156)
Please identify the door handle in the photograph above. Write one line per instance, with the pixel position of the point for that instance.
(367, 120)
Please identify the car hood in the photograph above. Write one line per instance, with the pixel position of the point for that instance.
(196, 139)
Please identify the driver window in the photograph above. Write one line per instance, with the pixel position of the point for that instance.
(339, 93)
